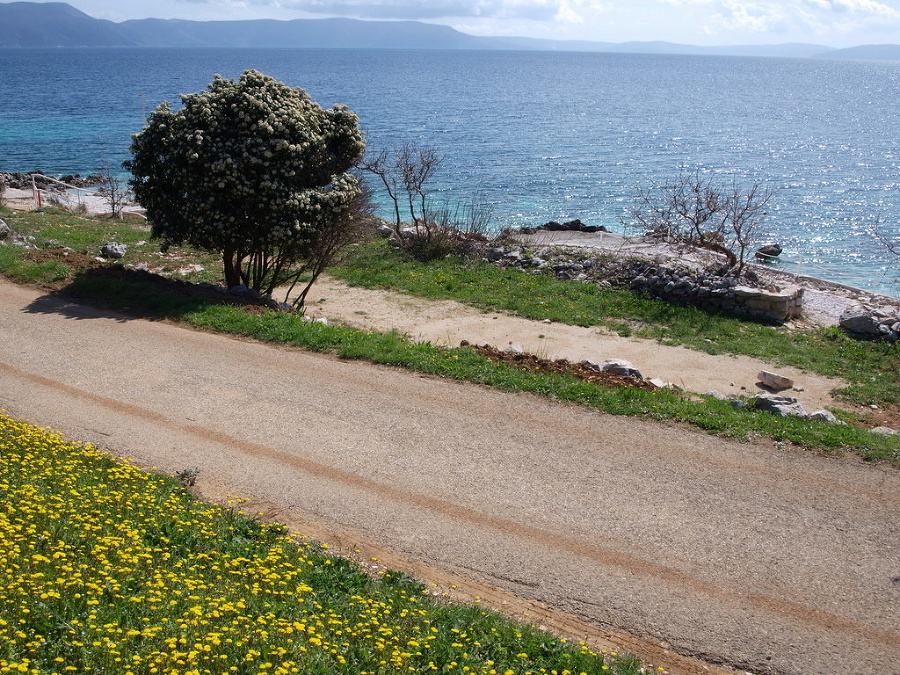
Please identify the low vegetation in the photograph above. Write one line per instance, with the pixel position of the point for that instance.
(109, 569)
(872, 368)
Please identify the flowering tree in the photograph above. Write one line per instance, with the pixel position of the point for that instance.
(252, 169)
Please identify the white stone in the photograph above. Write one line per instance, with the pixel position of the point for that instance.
(823, 416)
(774, 381)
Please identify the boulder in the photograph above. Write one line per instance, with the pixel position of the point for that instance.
(4, 230)
(113, 249)
(571, 226)
(823, 416)
(857, 320)
(769, 251)
(774, 381)
(245, 291)
(783, 406)
(621, 367)
(712, 393)
(885, 431)
(495, 254)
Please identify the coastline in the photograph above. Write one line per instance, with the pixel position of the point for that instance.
(824, 300)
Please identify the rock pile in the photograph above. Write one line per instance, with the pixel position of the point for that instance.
(788, 406)
(715, 290)
(873, 323)
(567, 264)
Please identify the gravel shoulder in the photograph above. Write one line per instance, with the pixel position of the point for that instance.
(656, 538)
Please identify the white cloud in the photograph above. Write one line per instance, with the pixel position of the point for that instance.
(795, 19)
(532, 10)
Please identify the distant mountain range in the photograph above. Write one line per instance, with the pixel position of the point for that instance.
(57, 24)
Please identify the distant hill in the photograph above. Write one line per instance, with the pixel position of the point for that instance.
(865, 52)
(54, 24)
(309, 33)
(57, 24)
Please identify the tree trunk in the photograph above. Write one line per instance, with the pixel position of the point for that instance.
(231, 269)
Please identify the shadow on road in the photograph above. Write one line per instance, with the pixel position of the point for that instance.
(115, 292)
(58, 303)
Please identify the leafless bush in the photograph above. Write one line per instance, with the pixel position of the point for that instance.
(447, 230)
(113, 189)
(890, 242)
(404, 173)
(433, 230)
(693, 208)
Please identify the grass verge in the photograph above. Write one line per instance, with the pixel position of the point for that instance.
(109, 569)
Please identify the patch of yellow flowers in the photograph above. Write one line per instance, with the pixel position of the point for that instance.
(105, 568)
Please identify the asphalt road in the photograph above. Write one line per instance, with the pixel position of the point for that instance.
(768, 559)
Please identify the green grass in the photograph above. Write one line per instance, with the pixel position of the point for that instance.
(109, 569)
(86, 234)
(872, 368)
(15, 266)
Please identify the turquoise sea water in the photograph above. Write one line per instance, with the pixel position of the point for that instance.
(539, 136)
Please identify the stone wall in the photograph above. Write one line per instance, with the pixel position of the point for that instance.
(718, 292)
(712, 289)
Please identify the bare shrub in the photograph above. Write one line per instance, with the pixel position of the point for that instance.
(694, 209)
(448, 229)
(113, 189)
(433, 229)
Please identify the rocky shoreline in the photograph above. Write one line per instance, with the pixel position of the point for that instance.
(686, 274)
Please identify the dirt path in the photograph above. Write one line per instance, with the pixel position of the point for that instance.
(774, 561)
(448, 322)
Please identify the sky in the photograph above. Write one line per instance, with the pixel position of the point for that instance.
(836, 23)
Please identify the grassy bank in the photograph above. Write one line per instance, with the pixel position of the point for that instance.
(827, 352)
(109, 569)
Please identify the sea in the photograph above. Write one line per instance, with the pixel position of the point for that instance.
(535, 136)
